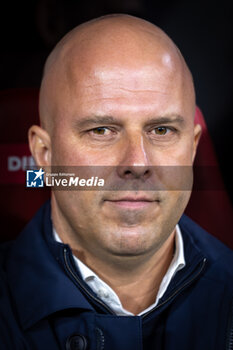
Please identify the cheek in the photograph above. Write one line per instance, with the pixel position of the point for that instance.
(79, 207)
(173, 205)
(68, 152)
(179, 154)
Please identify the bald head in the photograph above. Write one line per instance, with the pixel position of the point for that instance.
(108, 43)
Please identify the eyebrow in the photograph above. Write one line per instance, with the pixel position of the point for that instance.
(171, 118)
(103, 120)
(96, 120)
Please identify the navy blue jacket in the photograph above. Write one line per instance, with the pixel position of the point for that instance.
(44, 304)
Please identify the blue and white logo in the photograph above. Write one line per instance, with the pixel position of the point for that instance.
(35, 178)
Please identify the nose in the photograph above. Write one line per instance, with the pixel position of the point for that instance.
(135, 160)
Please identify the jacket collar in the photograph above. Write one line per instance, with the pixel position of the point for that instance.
(37, 280)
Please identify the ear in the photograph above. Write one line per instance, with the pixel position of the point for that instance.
(40, 145)
(197, 135)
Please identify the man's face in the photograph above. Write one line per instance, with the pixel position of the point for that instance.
(129, 118)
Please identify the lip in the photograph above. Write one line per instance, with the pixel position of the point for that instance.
(132, 202)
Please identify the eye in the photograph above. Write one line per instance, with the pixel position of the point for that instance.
(100, 131)
(161, 130)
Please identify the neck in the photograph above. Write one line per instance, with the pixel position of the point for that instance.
(136, 285)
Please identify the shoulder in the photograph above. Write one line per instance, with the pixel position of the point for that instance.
(5, 248)
(204, 240)
(218, 256)
(10, 334)
(15, 257)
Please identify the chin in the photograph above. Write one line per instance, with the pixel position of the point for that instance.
(133, 241)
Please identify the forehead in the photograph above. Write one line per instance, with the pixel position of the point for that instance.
(120, 70)
(139, 77)
(127, 87)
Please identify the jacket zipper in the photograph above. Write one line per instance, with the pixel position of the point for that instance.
(178, 290)
(113, 313)
(82, 286)
(230, 334)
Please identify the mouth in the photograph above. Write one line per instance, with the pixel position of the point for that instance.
(132, 202)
